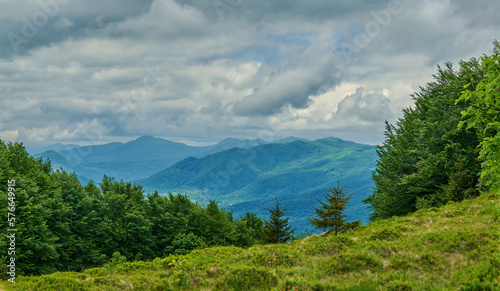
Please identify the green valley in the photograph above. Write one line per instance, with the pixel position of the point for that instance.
(296, 173)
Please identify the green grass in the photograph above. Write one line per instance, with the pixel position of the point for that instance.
(455, 247)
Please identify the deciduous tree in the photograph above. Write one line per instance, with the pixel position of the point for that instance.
(483, 115)
(425, 151)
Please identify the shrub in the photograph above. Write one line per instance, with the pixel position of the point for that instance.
(56, 281)
(428, 260)
(344, 263)
(330, 246)
(453, 213)
(183, 244)
(385, 234)
(247, 278)
(485, 276)
(276, 258)
(181, 279)
(116, 260)
(399, 263)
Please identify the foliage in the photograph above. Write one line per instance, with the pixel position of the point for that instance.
(277, 230)
(183, 244)
(426, 160)
(454, 247)
(39, 211)
(115, 262)
(64, 226)
(483, 115)
(331, 215)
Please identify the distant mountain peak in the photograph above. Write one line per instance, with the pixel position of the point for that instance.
(229, 139)
(338, 142)
(290, 139)
(331, 138)
(146, 138)
(53, 147)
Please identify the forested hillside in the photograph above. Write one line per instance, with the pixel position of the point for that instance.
(446, 147)
(296, 173)
(64, 226)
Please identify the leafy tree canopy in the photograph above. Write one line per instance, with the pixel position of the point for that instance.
(483, 115)
(426, 159)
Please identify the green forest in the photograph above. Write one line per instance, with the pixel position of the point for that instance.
(434, 215)
(446, 147)
(64, 226)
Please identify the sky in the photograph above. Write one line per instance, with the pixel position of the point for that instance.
(198, 71)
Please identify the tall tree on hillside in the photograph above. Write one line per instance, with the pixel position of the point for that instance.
(249, 228)
(125, 226)
(422, 160)
(79, 245)
(331, 215)
(38, 209)
(483, 115)
(277, 230)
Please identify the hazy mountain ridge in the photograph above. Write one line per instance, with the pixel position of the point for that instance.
(133, 160)
(296, 173)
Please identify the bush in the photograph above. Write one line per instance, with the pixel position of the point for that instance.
(428, 260)
(328, 247)
(183, 244)
(247, 278)
(344, 263)
(385, 234)
(399, 263)
(486, 276)
(276, 258)
(113, 265)
(56, 281)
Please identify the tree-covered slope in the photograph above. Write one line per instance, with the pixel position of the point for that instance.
(295, 173)
(444, 148)
(60, 225)
(455, 247)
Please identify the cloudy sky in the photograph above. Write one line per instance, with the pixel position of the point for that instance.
(198, 71)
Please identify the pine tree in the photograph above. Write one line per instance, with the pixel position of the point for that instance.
(331, 215)
(277, 229)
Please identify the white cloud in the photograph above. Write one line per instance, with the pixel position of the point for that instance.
(9, 135)
(63, 24)
(173, 68)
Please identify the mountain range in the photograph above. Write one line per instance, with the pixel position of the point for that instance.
(295, 173)
(133, 160)
(241, 175)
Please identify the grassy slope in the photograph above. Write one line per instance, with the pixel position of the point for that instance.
(455, 247)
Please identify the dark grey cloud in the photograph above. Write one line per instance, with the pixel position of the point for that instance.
(205, 70)
(292, 84)
(40, 23)
(479, 14)
(262, 11)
